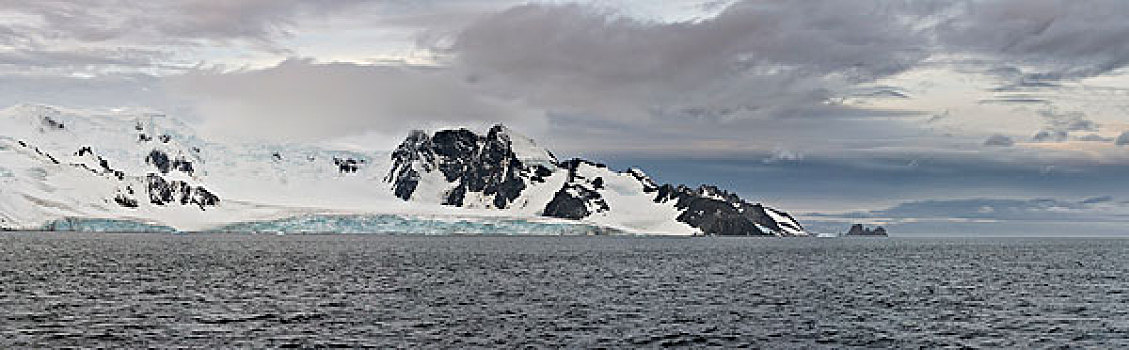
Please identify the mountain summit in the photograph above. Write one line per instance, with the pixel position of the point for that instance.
(58, 164)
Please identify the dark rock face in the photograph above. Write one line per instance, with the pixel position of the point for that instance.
(403, 176)
(345, 165)
(161, 161)
(125, 201)
(717, 212)
(473, 163)
(649, 185)
(52, 123)
(579, 197)
(183, 166)
(573, 202)
(859, 230)
(162, 192)
(102, 163)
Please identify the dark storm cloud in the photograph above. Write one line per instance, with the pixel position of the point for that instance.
(1041, 40)
(754, 58)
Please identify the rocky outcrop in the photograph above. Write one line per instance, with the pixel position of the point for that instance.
(482, 164)
(344, 165)
(163, 192)
(721, 213)
(164, 164)
(859, 230)
(579, 197)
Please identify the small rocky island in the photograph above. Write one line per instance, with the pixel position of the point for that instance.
(857, 230)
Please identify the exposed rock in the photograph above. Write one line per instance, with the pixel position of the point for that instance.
(717, 212)
(649, 185)
(575, 202)
(162, 192)
(484, 164)
(52, 123)
(124, 201)
(345, 165)
(161, 161)
(859, 230)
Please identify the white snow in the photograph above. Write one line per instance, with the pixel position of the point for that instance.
(528, 152)
(780, 218)
(632, 209)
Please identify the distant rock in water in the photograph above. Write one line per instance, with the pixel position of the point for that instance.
(859, 230)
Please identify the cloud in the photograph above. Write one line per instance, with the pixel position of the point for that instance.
(1050, 136)
(1041, 40)
(1071, 121)
(997, 209)
(781, 154)
(1096, 200)
(753, 59)
(999, 140)
(1122, 140)
(108, 90)
(1060, 125)
(751, 75)
(304, 99)
(179, 22)
(1093, 138)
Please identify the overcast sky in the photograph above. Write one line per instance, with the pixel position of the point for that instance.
(929, 116)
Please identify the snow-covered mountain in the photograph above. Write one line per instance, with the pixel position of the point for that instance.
(148, 168)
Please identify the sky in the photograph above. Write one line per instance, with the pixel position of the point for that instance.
(1002, 117)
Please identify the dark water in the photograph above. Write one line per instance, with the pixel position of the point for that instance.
(99, 290)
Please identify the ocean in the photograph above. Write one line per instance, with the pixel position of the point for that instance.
(355, 291)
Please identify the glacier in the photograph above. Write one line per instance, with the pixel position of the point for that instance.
(351, 224)
(105, 226)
